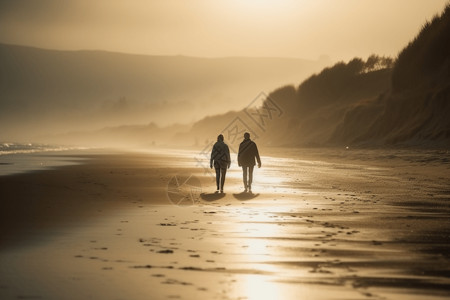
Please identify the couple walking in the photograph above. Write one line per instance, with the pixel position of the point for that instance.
(220, 159)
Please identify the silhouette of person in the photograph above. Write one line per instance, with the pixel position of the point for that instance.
(220, 158)
(248, 151)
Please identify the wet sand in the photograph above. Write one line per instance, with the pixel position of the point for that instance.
(320, 224)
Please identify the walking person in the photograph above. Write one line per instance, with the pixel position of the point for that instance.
(220, 158)
(248, 152)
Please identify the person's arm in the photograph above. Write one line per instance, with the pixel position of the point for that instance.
(212, 157)
(258, 159)
(228, 157)
(239, 155)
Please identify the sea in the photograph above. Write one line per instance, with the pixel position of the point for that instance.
(27, 157)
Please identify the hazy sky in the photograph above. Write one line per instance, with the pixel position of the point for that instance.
(340, 29)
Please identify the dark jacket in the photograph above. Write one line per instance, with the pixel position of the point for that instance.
(220, 155)
(248, 151)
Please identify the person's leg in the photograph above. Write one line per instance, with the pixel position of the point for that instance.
(217, 177)
(222, 179)
(250, 178)
(244, 170)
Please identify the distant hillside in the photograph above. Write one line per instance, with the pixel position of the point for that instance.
(47, 91)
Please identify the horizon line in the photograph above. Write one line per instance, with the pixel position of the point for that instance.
(324, 57)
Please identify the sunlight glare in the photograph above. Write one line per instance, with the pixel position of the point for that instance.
(262, 6)
(258, 288)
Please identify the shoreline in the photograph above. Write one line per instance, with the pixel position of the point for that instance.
(354, 227)
(63, 193)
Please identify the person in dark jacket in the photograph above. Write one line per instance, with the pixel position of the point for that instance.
(248, 151)
(220, 158)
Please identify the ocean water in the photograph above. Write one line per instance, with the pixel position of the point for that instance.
(18, 148)
(19, 158)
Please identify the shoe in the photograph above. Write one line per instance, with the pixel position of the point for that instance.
(221, 191)
(250, 190)
(245, 191)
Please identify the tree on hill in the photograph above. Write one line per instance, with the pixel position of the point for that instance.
(334, 82)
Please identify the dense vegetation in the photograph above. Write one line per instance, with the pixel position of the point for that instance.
(427, 57)
(334, 83)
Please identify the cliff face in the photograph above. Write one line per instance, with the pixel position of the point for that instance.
(321, 104)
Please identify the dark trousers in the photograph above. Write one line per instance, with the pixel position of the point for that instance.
(248, 170)
(220, 177)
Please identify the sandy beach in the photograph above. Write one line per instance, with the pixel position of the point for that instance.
(320, 224)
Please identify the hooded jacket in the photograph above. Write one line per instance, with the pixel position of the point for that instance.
(248, 151)
(220, 155)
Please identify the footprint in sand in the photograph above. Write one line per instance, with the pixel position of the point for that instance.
(174, 281)
(166, 251)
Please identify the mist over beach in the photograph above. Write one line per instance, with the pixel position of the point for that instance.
(225, 149)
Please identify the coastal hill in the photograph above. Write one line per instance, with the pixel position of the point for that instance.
(47, 91)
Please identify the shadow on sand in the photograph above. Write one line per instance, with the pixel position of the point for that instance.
(212, 196)
(245, 196)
